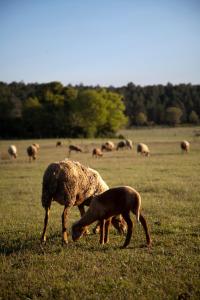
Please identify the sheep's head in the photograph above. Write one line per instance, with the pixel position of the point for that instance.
(77, 231)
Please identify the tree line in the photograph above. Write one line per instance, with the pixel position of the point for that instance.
(52, 110)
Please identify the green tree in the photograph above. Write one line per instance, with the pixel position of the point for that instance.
(193, 117)
(173, 115)
(89, 112)
(115, 118)
(141, 119)
(32, 118)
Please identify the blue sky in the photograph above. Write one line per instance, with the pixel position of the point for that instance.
(102, 42)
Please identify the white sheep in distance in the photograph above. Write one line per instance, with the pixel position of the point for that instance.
(115, 201)
(108, 146)
(129, 144)
(69, 183)
(185, 146)
(143, 149)
(12, 151)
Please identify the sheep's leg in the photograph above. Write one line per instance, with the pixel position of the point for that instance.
(96, 228)
(127, 218)
(145, 227)
(46, 218)
(119, 224)
(82, 212)
(64, 225)
(102, 231)
(107, 225)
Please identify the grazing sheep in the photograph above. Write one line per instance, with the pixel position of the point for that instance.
(108, 146)
(143, 149)
(97, 152)
(185, 146)
(74, 148)
(115, 201)
(121, 145)
(58, 144)
(69, 183)
(32, 151)
(129, 144)
(12, 151)
(36, 145)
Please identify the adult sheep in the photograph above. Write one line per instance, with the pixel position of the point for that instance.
(58, 144)
(32, 151)
(108, 146)
(12, 151)
(96, 152)
(121, 145)
(74, 148)
(69, 183)
(143, 149)
(185, 146)
(129, 144)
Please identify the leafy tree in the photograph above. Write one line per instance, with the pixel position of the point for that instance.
(32, 118)
(141, 119)
(193, 117)
(115, 117)
(173, 115)
(89, 112)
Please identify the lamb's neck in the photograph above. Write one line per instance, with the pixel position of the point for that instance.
(87, 219)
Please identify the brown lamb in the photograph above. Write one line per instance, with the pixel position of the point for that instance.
(115, 201)
(32, 151)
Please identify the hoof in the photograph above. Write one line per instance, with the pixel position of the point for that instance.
(64, 242)
(43, 240)
(123, 247)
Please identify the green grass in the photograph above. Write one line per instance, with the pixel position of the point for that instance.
(168, 182)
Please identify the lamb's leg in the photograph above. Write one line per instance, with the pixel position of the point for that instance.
(82, 212)
(46, 218)
(102, 231)
(127, 218)
(145, 227)
(107, 225)
(64, 225)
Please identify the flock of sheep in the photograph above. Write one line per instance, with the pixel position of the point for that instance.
(72, 184)
(142, 148)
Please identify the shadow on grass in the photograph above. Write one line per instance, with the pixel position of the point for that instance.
(33, 244)
(54, 244)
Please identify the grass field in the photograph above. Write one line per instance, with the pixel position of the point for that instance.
(168, 182)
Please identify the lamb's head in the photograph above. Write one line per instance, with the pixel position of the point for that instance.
(77, 231)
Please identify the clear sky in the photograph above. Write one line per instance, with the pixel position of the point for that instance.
(105, 42)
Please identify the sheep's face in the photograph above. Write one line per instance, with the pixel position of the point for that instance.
(77, 232)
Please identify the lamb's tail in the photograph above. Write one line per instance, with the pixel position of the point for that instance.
(138, 207)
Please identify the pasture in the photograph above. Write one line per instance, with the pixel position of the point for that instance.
(168, 182)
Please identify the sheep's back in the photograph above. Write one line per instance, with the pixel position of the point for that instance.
(70, 183)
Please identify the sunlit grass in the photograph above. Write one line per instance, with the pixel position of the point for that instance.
(168, 182)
